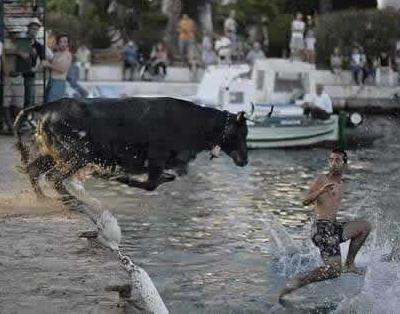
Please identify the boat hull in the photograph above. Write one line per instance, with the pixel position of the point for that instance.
(290, 134)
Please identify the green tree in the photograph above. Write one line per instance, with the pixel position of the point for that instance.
(374, 30)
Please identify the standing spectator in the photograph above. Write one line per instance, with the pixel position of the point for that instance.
(58, 67)
(208, 55)
(73, 78)
(13, 98)
(297, 39)
(336, 62)
(159, 57)
(83, 57)
(1, 58)
(356, 65)
(384, 69)
(194, 63)
(264, 29)
(29, 57)
(310, 41)
(186, 30)
(397, 61)
(255, 53)
(223, 49)
(230, 27)
(130, 59)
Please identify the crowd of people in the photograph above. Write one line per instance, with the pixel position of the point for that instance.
(24, 57)
(303, 41)
(214, 48)
(365, 68)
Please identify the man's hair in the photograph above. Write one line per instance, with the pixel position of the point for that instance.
(59, 36)
(338, 150)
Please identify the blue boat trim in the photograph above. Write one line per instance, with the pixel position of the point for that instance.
(291, 138)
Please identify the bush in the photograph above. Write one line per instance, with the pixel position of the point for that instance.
(279, 34)
(374, 30)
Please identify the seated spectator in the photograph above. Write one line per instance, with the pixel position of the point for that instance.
(319, 105)
(356, 65)
(369, 69)
(223, 48)
(130, 59)
(384, 72)
(336, 62)
(255, 53)
(159, 58)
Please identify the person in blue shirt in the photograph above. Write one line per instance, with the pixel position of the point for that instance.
(130, 59)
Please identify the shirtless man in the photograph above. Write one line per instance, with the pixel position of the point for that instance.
(326, 192)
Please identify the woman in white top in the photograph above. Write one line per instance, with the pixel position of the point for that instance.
(310, 41)
(297, 40)
(58, 67)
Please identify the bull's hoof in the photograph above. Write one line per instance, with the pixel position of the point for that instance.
(89, 234)
(124, 291)
(167, 177)
(150, 187)
(41, 197)
(182, 171)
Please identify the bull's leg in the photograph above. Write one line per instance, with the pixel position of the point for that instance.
(155, 178)
(39, 166)
(57, 176)
(167, 177)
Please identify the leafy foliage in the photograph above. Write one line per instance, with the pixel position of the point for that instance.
(374, 30)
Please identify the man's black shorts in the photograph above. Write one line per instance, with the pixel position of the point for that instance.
(328, 236)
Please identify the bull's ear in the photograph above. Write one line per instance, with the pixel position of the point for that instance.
(241, 116)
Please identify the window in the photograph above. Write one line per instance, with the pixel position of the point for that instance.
(287, 82)
(236, 98)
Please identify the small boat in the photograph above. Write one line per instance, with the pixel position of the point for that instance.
(291, 131)
(273, 92)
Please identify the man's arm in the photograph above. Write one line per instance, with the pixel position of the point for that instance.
(61, 65)
(316, 189)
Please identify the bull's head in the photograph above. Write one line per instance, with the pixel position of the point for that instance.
(234, 139)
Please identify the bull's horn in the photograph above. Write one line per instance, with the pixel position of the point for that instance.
(252, 109)
(241, 116)
(270, 113)
(215, 152)
(248, 115)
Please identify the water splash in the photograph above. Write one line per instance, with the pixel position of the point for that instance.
(291, 257)
(381, 289)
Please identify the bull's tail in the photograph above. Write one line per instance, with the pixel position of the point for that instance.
(23, 149)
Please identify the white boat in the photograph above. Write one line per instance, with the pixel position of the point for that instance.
(275, 87)
(276, 132)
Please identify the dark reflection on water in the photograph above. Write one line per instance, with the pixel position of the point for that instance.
(204, 239)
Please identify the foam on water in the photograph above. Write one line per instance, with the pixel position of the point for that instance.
(381, 289)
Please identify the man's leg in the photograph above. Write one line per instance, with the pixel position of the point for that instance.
(318, 113)
(332, 269)
(29, 91)
(357, 232)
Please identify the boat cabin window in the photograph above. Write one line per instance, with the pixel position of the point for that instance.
(236, 97)
(287, 82)
(260, 79)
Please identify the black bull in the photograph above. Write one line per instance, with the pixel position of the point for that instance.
(133, 135)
